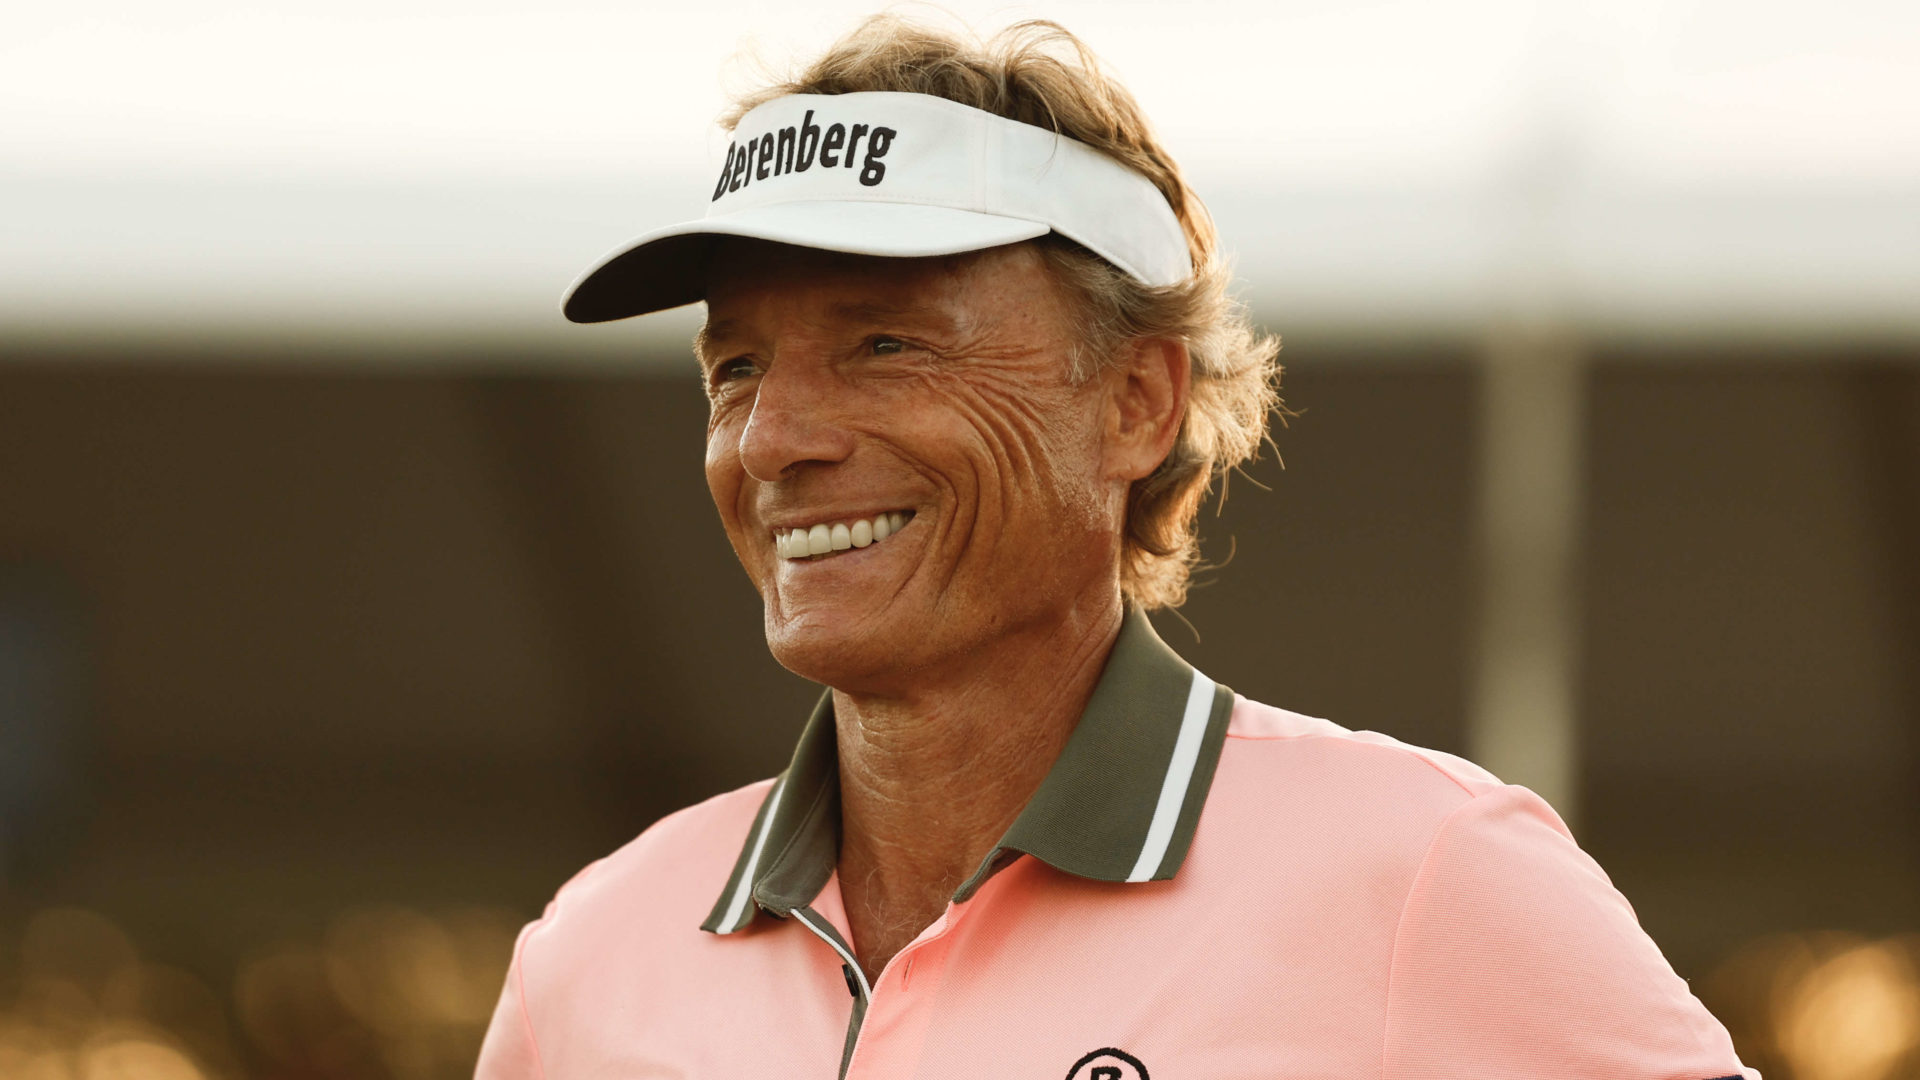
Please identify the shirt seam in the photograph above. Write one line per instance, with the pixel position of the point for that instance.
(520, 961)
(1701, 1036)
(1400, 923)
(1463, 785)
(526, 1014)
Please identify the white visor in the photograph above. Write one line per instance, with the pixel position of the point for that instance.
(897, 175)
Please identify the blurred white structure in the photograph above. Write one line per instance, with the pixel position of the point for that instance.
(360, 169)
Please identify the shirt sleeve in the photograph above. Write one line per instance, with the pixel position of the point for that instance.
(509, 1051)
(1517, 958)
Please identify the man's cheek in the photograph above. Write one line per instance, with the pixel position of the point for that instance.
(723, 439)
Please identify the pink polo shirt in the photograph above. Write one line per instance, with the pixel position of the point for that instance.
(1204, 887)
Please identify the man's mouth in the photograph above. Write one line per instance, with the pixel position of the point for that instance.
(830, 538)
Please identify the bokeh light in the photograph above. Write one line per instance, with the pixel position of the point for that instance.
(1850, 1011)
(376, 993)
(1824, 1005)
(132, 1057)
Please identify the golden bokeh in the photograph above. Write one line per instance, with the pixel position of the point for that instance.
(379, 993)
(1849, 1011)
(395, 968)
(1823, 1005)
(134, 1057)
(74, 944)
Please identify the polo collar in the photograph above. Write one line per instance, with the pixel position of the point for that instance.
(1120, 803)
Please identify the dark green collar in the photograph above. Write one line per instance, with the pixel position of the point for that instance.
(1120, 803)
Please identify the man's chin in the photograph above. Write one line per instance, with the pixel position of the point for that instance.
(839, 649)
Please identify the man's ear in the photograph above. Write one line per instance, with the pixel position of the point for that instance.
(1147, 400)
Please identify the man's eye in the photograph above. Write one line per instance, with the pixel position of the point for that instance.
(733, 370)
(887, 346)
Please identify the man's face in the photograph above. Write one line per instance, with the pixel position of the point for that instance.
(847, 387)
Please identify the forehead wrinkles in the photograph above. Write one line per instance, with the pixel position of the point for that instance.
(962, 298)
(746, 277)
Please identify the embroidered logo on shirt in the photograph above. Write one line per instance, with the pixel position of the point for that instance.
(1108, 1064)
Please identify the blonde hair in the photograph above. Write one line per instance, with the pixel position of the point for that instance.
(1038, 73)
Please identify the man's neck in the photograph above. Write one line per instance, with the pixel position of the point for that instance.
(929, 783)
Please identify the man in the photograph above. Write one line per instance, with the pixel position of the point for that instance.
(971, 367)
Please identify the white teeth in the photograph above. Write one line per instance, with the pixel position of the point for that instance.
(839, 536)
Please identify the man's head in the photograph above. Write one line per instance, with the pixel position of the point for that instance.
(937, 392)
(1052, 410)
(1039, 74)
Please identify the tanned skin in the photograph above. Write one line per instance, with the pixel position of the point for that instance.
(961, 650)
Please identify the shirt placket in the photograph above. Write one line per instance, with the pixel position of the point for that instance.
(888, 1022)
(897, 1024)
(857, 985)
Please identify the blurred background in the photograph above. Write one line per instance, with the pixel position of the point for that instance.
(350, 600)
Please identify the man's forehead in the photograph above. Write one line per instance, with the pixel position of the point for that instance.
(854, 311)
(750, 280)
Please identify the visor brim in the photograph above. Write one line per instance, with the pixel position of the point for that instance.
(667, 268)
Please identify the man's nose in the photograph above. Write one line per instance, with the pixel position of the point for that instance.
(798, 417)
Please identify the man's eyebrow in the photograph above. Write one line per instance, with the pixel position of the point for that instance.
(708, 334)
(709, 339)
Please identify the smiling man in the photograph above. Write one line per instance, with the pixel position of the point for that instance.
(971, 366)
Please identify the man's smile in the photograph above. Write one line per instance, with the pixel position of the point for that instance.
(829, 538)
